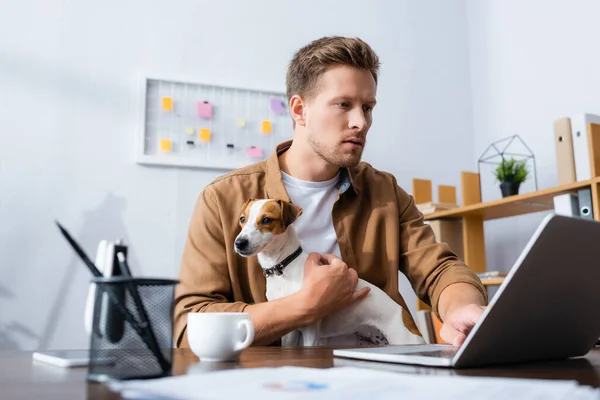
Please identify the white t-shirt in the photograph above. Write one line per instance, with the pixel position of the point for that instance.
(316, 233)
(315, 226)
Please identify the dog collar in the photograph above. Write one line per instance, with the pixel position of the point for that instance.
(277, 269)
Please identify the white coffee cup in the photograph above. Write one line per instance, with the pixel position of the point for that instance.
(219, 336)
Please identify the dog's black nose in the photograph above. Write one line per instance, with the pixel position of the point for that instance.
(241, 243)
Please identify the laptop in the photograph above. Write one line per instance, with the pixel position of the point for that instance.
(547, 308)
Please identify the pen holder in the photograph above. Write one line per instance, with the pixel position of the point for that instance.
(132, 329)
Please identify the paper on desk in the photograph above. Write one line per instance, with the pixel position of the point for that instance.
(347, 383)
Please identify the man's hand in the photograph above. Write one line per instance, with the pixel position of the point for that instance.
(460, 306)
(459, 323)
(328, 286)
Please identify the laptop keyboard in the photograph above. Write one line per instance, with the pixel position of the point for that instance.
(449, 353)
(440, 351)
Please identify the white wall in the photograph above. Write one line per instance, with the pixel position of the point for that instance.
(68, 116)
(531, 62)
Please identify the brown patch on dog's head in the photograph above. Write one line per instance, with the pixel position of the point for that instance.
(245, 211)
(276, 215)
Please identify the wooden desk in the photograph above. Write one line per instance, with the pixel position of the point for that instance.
(21, 378)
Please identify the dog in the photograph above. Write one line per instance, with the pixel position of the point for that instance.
(268, 233)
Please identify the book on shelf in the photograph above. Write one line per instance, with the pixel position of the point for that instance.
(431, 207)
(492, 274)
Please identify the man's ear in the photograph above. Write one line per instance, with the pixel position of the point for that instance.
(250, 200)
(289, 212)
(297, 111)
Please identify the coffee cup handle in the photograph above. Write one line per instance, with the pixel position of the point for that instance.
(246, 323)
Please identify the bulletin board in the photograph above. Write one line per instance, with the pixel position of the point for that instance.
(191, 124)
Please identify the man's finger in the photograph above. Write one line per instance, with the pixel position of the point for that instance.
(314, 256)
(353, 276)
(459, 339)
(313, 259)
(360, 294)
(450, 335)
(328, 258)
(468, 318)
(336, 262)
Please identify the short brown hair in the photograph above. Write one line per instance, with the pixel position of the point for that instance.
(312, 61)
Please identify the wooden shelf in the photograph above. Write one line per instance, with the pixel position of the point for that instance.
(473, 214)
(525, 203)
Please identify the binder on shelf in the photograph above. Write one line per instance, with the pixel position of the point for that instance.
(584, 197)
(566, 204)
(563, 143)
(581, 144)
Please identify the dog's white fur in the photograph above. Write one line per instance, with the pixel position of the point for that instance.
(376, 310)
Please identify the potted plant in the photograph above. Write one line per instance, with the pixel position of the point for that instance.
(511, 173)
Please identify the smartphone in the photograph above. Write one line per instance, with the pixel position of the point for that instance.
(68, 358)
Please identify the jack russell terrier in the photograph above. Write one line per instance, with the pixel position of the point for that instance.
(267, 232)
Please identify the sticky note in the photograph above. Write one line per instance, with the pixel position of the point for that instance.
(241, 122)
(189, 131)
(278, 106)
(205, 109)
(255, 152)
(165, 144)
(205, 134)
(167, 103)
(266, 126)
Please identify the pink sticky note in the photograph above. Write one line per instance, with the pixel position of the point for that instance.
(278, 106)
(204, 109)
(255, 152)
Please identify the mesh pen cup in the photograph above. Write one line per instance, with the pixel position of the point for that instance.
(132, 329)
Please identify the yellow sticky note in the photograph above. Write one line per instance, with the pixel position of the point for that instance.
(241, 122)
(189, 131)
(205, 134)
(167, 103)
(165, 144)
(266, 126)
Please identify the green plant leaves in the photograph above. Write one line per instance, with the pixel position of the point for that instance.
(511, 170)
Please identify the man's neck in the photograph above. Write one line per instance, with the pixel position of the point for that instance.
(306, 165)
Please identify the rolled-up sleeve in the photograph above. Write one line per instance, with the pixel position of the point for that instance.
(430, 266)
(205, 284)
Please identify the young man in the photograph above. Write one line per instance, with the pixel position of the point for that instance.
(356, 220)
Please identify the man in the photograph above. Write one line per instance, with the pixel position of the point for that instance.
(356, 220)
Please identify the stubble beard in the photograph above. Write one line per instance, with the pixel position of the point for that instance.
(341, 160)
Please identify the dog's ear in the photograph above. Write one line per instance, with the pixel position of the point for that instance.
(289, 212)
(250, 200)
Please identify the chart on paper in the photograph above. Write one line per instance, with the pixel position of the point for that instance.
(190, 124)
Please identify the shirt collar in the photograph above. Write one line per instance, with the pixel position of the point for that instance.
(276, 188)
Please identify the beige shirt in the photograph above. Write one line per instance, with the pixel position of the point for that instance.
(379, 230)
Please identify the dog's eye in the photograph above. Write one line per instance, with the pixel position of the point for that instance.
(242, 219)
(266, 220)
